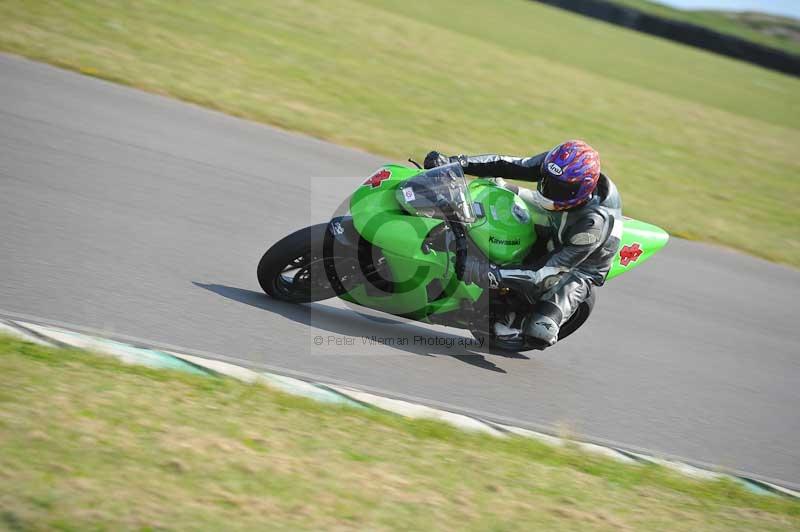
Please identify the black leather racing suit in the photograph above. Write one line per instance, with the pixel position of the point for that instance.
(581, 242)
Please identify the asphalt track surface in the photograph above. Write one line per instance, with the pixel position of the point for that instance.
(143, 217)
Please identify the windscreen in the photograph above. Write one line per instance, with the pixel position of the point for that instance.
(422, 194)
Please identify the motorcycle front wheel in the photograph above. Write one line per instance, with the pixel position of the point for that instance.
(292, 270)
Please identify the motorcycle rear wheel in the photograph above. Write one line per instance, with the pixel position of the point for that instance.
(577, 319)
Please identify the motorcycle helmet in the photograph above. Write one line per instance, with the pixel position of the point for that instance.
(570, 173)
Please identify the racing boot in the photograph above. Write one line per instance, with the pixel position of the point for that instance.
(542, 328)
(504, 328)
(506, 336)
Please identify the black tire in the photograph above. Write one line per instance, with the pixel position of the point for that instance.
(301, 252)
(578, 317)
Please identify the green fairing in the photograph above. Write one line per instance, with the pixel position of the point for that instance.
(640, 240)
(380, 219)
(503, 236)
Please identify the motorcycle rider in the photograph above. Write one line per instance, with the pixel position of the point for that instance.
(584, 212)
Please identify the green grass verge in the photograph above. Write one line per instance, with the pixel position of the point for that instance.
(699, 144)
(87, 443)
(778, 32)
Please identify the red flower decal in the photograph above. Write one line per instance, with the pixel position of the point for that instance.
(378, 177)
(629, 254)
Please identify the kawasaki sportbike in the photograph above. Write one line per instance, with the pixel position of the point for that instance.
(403, 248)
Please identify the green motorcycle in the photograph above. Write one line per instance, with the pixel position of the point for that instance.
(403, 249)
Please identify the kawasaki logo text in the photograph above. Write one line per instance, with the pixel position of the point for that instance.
(495, 240)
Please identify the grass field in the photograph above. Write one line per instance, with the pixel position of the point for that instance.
(778, 32)
(87, 443)
(699, 144)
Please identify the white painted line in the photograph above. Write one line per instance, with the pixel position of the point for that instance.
(781, 489)
(285, 384)
(23, 335)
(64, 337)
(605, 451)
(306, 389)
(686, 469)
(413, 410)
(123, 352)
(560, 442)
(223, 368)
(544, 438)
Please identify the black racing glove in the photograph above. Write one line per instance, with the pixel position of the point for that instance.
(483, 273)
(434, 159)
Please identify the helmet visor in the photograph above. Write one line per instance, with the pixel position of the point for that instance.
(557, 190)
